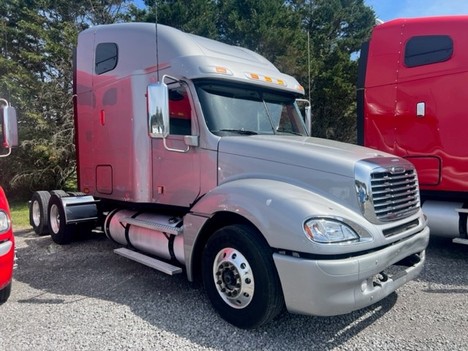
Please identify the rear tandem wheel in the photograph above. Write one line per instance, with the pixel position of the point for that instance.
(38, 215)
(60, 232)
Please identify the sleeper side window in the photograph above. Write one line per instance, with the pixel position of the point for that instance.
(107, 55)
(428, 49)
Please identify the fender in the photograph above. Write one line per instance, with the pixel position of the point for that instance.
(79, 208)
(277, 209)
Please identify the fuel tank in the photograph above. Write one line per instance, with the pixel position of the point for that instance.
(150, 233)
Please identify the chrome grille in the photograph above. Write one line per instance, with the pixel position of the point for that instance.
(395, 195)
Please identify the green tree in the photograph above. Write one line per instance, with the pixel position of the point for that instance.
(269, 27)
(337, 29)
(192, 16)
(313, 40)
(38, 38)
(32, 83)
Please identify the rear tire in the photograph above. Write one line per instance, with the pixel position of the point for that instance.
(76, 193)
(60, 232)
(60, 193)
(38, 215)
(5, 293)
(240, 278)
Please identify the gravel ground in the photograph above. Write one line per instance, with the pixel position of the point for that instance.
(84, 297)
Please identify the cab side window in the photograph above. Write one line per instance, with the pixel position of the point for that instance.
(180, 112)
(428, 49)
(107, 55)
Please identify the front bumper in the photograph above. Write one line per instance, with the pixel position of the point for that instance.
(7, 261)
(339, 286)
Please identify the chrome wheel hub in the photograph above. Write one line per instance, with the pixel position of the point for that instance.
(36, 213)
(54, 219)
(233, 278)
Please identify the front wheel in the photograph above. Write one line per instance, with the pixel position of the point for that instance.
(60, 232)
(5, 293)
(240, 278)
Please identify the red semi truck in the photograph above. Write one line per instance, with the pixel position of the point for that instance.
(9, 139)
(193, 157)
(412, 87)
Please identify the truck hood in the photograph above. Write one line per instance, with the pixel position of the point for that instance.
(322, 166)
(309, 153)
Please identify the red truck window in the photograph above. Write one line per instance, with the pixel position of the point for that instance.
(428, 49)
(179, 112)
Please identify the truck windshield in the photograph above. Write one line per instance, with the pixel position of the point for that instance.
(246, 110)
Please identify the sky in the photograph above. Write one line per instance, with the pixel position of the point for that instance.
(387, 10)
(390, 9)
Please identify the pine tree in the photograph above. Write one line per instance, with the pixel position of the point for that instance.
(38, 38)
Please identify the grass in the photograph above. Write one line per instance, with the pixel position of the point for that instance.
(20, 214)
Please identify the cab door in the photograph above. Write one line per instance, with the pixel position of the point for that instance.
(378, 68)
(176, 166)
(430, 109)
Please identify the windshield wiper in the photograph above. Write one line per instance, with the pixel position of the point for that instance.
(238, 131)
(287, 132)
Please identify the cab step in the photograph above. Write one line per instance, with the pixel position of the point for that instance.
(463, 238)
(148, 261)
(462, 241)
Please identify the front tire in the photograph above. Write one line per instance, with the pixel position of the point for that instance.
(38, 215)
(5, 293)
(240, 278)
(60, 232)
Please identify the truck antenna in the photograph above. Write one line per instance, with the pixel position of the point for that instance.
(157, 46)
(5, 51)
(308, 60)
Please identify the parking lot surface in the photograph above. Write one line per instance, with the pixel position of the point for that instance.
(84, 297)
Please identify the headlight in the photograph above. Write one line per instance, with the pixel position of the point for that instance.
(326, 231)
(4, 222)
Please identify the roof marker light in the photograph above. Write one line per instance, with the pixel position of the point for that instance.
(216, 70)
(300, 88)
(267, 79)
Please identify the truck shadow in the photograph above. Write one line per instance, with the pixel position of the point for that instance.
(442, 272)
(60, 275)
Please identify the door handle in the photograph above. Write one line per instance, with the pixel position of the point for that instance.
(421, 109)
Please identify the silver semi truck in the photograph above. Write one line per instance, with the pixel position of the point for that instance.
(193, 157)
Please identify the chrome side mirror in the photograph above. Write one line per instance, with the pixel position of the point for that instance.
(158, 110)
(9, 125)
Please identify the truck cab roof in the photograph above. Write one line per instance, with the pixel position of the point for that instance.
(180, 54)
